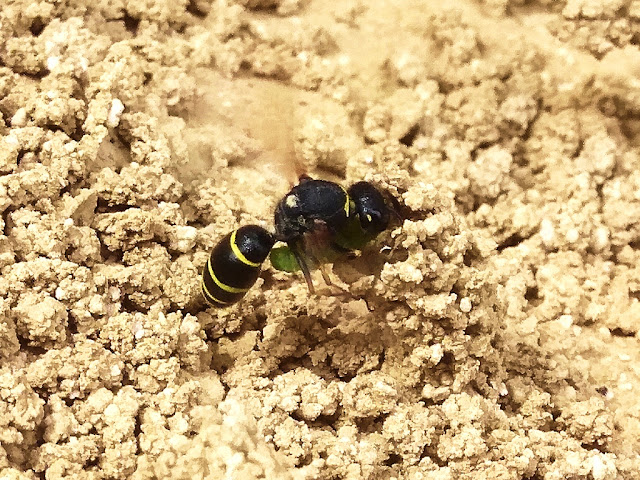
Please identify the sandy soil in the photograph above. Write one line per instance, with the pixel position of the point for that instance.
(493, 335)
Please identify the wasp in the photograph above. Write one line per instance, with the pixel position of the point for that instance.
(317, 222)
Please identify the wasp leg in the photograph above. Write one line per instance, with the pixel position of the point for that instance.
(304, 267)
(325, 276)
(327, 279)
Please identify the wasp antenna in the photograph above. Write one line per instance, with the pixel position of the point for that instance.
(396, 208)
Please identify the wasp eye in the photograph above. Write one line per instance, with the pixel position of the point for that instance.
(372, 209)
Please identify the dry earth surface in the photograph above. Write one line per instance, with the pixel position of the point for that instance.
(492, 335)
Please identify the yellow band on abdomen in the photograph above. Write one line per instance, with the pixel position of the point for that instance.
(210, 298)
(236, 251)
(225, 287)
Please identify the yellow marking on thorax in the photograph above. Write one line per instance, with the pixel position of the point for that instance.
(291, 201)
(347, 202)
(236, 251)
(223, 286)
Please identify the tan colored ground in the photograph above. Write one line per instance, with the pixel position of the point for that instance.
(497, 337)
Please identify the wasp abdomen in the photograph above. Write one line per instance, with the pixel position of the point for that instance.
(234, 264)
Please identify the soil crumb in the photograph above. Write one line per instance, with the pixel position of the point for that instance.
(493, 333)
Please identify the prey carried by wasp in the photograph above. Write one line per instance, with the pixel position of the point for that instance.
(317, 222)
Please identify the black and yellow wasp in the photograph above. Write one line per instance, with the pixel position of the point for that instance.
(318, 221)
